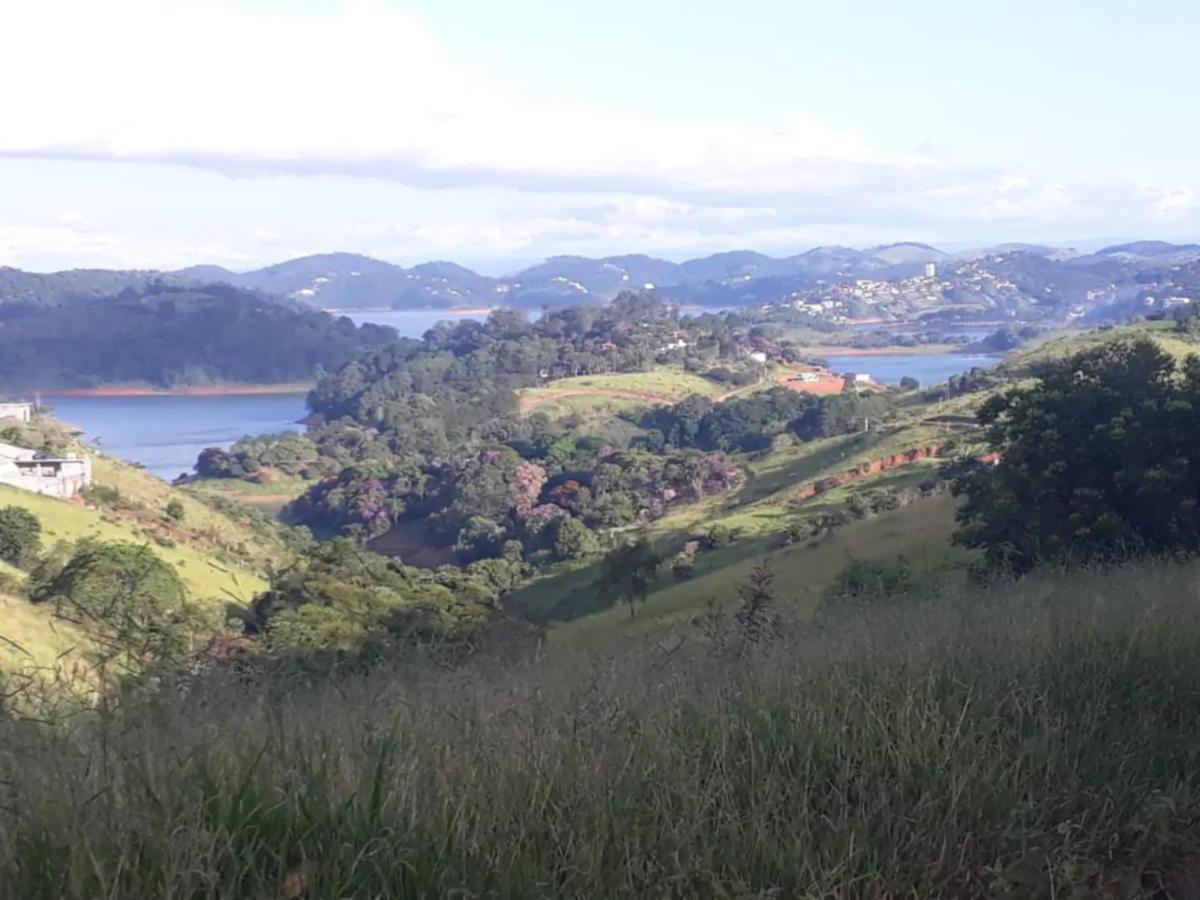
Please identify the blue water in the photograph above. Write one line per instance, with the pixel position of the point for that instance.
(167, 433)
(927, 368)
(410, 323)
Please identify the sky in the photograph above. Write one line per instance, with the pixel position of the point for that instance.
(166, 133)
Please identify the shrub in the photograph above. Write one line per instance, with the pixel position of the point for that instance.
(103, 495)
(175, 510)
(575, 540)
(870, 579)
(719, 536)
(20, 536)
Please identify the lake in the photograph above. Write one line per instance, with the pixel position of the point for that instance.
(927, 368)
(167, 433)
(410, 323)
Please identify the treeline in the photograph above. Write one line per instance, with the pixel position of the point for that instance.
(497, 503)
(437, 393)
(169, 336)
(750, 423)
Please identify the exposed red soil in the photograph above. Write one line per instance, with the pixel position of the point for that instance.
(883, 464)
(828, 383)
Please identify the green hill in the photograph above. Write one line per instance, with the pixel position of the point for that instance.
(221, 558)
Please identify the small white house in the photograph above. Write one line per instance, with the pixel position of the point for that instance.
(758, 356)
(21, 412)
(61, 477)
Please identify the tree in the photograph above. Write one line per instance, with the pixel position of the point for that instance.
(756, 618)
(575, 540)
(1096, 463)
(20, 536)
(908, 383)
(131, 603)
(627, 572)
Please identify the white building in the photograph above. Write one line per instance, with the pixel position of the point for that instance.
(758, 356)
(931, 270)
(27, 470)
(22, 412)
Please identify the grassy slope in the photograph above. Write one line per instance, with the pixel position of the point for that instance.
(1036, 740)
(207, 579)
(600, 395)
(270, 498)
(919, 533)
(220, 560)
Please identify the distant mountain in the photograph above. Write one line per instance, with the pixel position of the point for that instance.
(1147, 249)
(741, 277)
(828, 260)
(905, 253)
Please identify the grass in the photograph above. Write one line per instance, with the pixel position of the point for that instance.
(920, 533)
(1035, 740)
(205, 528)
(1061, 346)
(597, 396)
(270, 498)
(206, 578)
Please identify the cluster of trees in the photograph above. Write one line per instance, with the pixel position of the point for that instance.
(751, 423)
(182, 336)
(339, 597)
(438, 393)
(1097, 462)
(476, 504)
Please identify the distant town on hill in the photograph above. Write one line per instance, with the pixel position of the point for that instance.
(890, 282)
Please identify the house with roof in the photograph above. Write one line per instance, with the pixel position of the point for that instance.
(41, 473)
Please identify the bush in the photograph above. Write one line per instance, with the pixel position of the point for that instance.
(175, 510)
(103, 495)
(870, 579)
(130, 602)
(20, 536)
(575, 540)
(719, 536)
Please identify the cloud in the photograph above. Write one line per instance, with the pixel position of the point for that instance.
(366, 90)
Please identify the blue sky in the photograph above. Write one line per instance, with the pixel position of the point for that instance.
(160, 133)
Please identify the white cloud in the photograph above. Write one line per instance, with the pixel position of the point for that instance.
(365, 90)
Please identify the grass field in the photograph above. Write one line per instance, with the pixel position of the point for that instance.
(598, 395)
(1035, 740)
(270, 498)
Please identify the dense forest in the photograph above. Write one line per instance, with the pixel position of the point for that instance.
(169, 336)
(427, 435)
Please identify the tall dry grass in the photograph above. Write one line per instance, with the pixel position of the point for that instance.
(1039, 740)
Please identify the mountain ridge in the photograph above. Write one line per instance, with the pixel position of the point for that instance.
(342, 280)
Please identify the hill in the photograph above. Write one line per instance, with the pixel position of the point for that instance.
(740, 277)
(169, 336)
(224, 556)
